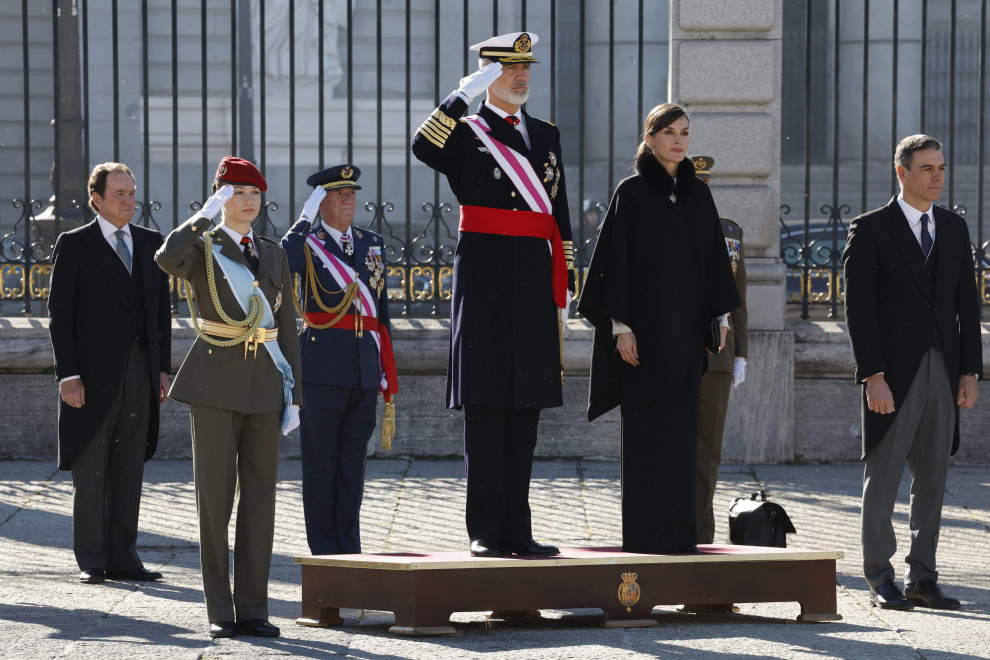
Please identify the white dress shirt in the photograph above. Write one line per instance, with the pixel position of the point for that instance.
(237, 237)
(110, 233)
(913, 216)
(521, 126)
(337, 235)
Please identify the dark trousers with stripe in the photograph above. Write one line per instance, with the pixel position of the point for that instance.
(336, 425)
(498, 459)
(107, 476)
(921, 435)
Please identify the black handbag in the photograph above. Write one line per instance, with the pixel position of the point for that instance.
(759, 522)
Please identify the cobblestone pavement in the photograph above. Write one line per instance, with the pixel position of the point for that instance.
(418, 505)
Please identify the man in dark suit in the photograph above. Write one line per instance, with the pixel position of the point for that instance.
(346, 355)
(111, 331)
(913, 316)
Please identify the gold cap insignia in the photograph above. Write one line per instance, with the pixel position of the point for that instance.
(222, 170)
(347, 172)
(523, 43)
(702, 164)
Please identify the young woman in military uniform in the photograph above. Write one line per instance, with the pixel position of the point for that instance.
(240, 382)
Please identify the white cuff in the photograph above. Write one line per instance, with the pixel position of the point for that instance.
(619, 328)
(723, 321)
(739, 360)
(68, 378)
(467, 99)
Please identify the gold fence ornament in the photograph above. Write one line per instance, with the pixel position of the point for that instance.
(629, 591)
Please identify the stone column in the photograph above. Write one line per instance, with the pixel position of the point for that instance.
(725, 68)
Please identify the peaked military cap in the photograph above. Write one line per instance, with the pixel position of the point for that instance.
(702, 165)
(510, 48)
(335, 178)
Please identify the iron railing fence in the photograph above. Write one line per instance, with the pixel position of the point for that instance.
(170, 86)
(874, 72)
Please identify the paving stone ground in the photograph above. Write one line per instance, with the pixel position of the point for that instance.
(418, 505)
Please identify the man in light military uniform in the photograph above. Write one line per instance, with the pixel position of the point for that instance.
(506, 170)
(725, 370)
(346, 353)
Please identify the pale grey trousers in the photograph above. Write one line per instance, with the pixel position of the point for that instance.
(921, 435)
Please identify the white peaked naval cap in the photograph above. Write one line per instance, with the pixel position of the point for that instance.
(511, 48)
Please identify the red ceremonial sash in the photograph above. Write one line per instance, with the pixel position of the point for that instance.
(371, 324)
(485, 220)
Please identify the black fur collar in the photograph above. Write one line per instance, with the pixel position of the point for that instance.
(648, 167)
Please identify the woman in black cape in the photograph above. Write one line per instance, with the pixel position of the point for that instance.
(659, 280)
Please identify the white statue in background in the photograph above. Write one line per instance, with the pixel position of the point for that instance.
(305, 36)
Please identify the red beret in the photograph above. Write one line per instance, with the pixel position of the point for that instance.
(240, 172)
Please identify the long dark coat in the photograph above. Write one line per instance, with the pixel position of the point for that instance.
(895, 314)
(661, 268)
(89, 306)
(505, 343)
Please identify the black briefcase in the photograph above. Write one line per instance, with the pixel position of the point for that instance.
(759, 522)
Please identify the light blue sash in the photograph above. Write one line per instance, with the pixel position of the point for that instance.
(241, 281)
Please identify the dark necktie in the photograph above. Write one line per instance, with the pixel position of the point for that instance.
(249, 254)
(926, 237)
(512, 119)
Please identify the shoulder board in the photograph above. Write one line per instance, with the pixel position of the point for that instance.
(552, 124)
(731, 222)
(268, 240)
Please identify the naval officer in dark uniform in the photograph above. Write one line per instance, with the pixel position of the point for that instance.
(344, 361)
(512, 274)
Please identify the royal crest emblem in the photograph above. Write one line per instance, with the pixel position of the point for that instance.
(222, 170)
(733, 246)
(347, 172)
(523, 43)
(373, 262)
(629, 591)
(498, 173)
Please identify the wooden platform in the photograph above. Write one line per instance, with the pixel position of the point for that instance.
(423, 590)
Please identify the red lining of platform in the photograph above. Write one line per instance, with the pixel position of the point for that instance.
(565, 553)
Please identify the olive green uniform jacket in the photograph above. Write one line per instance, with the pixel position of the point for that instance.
(223, 377)
(737, 339)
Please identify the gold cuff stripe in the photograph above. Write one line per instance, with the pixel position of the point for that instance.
(438, 127)
(444, 119)
(429, 137)
(437, 132)
(437, 138)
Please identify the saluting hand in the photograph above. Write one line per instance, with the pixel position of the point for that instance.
(479, 81)
(312, 205)
(216, 201)
(626, 343)
(73, 392)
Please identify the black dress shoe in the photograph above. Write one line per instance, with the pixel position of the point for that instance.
(686, 549)
(928, 594)
(223, 629)
(137, 574)
(483, 548)
(529, 548)
(889, 597)
(257, 628)
(91, 576)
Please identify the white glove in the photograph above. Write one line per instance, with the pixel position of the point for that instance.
(312, 205)
(566, 310)
(738, 371)
(479, 81)
(213, 205)
(293, 419)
